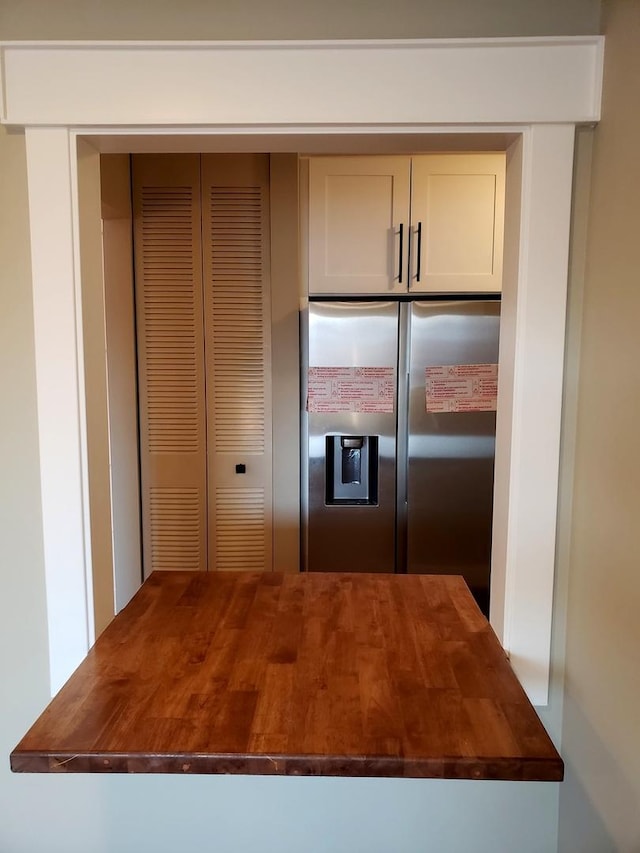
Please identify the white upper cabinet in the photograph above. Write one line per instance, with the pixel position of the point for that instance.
(431, 223)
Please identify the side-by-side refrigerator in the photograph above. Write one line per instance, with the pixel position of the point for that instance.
(398, 437)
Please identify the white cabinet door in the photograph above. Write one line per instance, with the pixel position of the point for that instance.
(457, 212)
(358, 224)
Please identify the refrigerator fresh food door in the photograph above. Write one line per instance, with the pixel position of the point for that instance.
(453, 356)
(350, 386)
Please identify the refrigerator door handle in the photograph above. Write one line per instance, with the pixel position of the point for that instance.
(403, 436)
(405, 461)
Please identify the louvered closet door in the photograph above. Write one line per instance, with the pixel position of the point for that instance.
(168, 271)
(235, 235)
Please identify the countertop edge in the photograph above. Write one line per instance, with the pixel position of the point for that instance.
(451, 767)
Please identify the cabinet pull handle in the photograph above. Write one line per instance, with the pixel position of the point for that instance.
(419, 253)
(400, 253)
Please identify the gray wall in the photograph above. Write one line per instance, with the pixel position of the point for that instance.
(76, 813)
(599, 801)
(291, 19)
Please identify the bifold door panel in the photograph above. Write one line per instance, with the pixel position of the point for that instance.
(202, 297)
(171, 375)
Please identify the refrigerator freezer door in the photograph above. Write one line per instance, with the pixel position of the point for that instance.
(451, 453)
(350, 524)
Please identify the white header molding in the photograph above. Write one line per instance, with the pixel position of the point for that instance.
(441, 81)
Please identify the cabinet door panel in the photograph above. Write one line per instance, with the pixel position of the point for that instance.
(356, 208)
(458, 203)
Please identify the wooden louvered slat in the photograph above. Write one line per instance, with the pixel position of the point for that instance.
(170, 319)
(168, 264)
(240, 533)
(238, 333)
(236, 281)
(175, 521)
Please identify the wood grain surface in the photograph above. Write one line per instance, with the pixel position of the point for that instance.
(309, 674)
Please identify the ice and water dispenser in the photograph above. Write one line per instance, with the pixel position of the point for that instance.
(351, 473)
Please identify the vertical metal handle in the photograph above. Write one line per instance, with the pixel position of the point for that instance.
(400, 253)
(404, 387)
(419, 252)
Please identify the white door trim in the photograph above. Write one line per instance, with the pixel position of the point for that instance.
(344, 87)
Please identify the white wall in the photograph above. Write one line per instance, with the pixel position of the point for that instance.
(601, 730)
(24, 664)
(80, 813)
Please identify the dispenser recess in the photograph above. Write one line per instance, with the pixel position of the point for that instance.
(351, 470)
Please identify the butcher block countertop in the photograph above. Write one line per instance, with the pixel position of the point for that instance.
(295, 674)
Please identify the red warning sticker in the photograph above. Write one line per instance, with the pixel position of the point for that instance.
(351, 389)
(461, 388)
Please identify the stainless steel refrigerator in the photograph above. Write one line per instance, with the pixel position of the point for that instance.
(398, 437)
